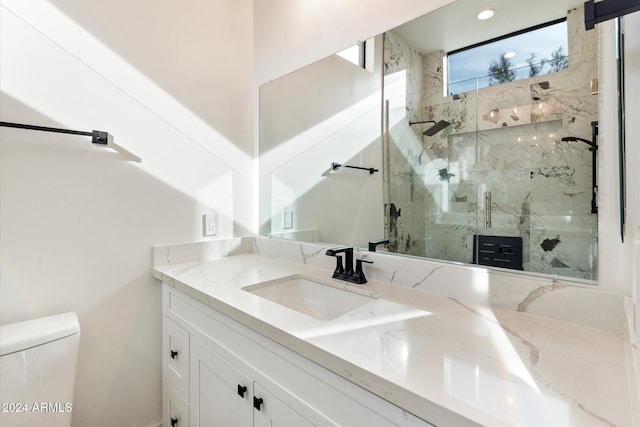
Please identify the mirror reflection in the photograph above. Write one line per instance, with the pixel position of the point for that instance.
(324, 114)
(497, 169)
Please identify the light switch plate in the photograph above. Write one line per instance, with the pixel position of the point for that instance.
(210, 224)
(287, 219)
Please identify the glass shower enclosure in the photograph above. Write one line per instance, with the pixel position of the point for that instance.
(498, 185)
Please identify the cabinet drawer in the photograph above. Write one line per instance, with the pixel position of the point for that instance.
(175, 356)
(175, 411)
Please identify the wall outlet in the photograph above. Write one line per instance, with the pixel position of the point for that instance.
(210, 223)
(287, 219)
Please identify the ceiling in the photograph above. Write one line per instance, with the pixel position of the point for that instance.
(455, 26)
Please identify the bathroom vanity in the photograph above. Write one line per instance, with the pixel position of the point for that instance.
(223, 373)
(254, 336)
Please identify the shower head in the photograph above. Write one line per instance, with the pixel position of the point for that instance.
(592, 145)
(436, 128)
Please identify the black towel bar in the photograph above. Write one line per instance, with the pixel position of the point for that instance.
(97, 136)
(336, 166)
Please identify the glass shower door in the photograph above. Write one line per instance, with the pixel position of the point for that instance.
(431, 178)
(508, 161)
(452, 217)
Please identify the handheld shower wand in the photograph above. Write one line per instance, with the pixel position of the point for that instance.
(593, 147)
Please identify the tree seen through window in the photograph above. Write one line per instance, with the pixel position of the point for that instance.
(540, 51)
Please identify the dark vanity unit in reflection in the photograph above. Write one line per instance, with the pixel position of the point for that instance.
(498, 251)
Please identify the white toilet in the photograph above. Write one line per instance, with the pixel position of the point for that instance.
(38, 361)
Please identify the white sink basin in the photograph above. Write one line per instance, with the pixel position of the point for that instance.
(310, 297)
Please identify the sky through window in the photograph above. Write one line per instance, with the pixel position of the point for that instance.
(540, 51)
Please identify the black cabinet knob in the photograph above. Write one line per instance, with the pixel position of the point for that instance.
(174, 421)
(257, 402)
(174, 354)
(241, 390)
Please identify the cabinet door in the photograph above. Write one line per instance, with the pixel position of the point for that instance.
(220, 394)
(175, 356)
(175, 411)
(272, 412)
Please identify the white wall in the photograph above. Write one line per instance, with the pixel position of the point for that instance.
(290, 34)
(616, 259)
(173, 84)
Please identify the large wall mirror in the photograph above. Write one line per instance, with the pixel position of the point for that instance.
(453, 138)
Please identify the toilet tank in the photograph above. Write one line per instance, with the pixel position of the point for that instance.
(38, 361)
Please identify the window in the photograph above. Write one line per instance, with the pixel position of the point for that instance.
(532, 52)
(360, 54)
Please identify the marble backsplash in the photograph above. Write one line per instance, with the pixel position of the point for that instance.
(555, 298)
(504, 139)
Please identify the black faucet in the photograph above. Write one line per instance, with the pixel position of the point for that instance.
(346, 272)
(375, 243)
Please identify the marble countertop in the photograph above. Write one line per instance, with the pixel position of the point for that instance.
(446, 360)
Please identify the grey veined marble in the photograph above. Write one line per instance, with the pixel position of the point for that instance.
(503, 139)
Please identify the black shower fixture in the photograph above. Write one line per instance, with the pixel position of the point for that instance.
(445, 175)
(593, 147)
(437, 127)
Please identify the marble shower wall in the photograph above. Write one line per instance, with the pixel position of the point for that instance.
(404, 155)
(504, 139)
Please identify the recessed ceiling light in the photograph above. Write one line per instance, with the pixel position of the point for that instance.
(509, 55)
(486, 14)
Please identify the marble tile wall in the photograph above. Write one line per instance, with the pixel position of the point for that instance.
(403, 82)
(504, 139)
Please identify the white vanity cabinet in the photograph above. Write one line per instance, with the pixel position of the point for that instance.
(224, 396)
(226, 374)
